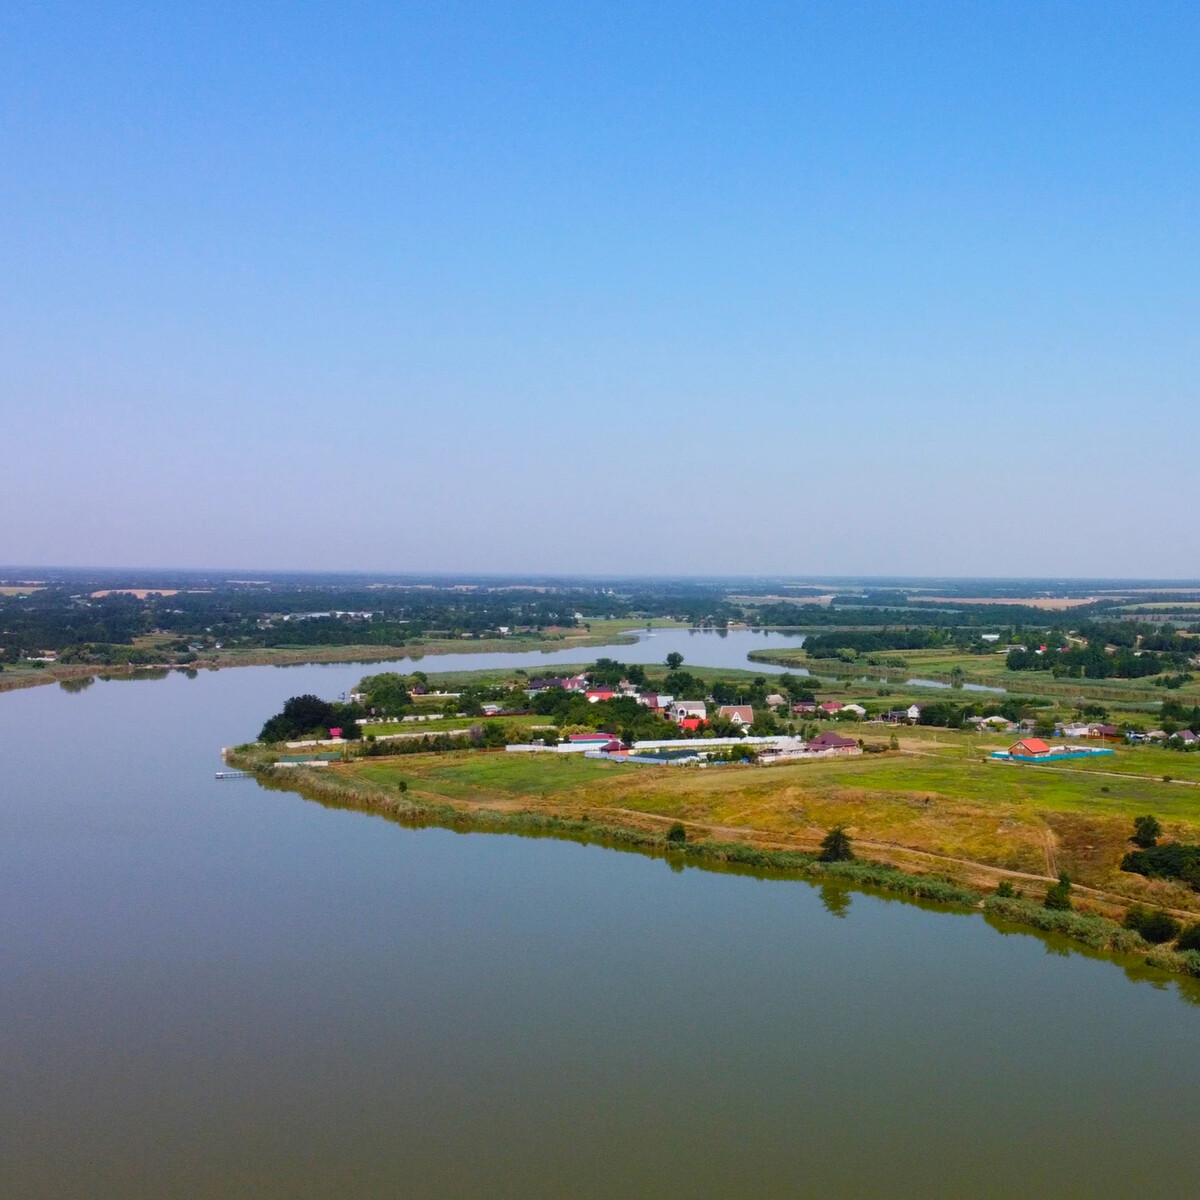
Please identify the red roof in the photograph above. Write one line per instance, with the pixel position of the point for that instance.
(1032, 745)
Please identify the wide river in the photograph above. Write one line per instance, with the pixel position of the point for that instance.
(212, 990)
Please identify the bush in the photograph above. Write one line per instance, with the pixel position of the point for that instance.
(1058, 897)
(1146, 831)
(677, 835)
(1189, 939)
(1175, 860)
(1006, 889)
(1155, 927)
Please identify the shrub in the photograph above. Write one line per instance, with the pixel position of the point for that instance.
(1006, 889)
(677, 835)
(1175, 860)
(1058, 897)
(1189, 939)
(1146, 831)
(1155, 927)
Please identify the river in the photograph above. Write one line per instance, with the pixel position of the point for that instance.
(699, 647)
(212, 990)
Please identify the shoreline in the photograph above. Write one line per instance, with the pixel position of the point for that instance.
(645, 832)
(222, 660)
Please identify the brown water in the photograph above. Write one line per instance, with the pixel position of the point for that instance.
(210, 990)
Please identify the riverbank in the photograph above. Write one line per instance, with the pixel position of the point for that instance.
(620, 806)
(614, 633)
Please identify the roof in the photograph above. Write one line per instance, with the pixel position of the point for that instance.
(1033, 745)
(743, 712)
(830, 741)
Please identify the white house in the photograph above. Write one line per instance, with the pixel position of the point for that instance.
(682, 710)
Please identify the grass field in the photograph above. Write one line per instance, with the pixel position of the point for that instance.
(938, 805)
(988, 670)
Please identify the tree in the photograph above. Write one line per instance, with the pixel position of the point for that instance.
(1145, 831)
(835, 845)
(674, 660)
(1005, 889)
(300, 715)
(1059, 895)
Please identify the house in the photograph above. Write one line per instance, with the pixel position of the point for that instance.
(1186, 736)
(687, 710)
(895, 716)
(1098, 730)
(575, 683)
(830, 707)
(655, 701)
(832, 744)
(544, 685)
(739, 714)
(1029, 747)
(1076, 729)
(856, 709)
(913, 711)
(595, 695)
(775, 700)
(691, 724)
(804, 708)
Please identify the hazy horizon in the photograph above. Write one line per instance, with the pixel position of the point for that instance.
(740, 290)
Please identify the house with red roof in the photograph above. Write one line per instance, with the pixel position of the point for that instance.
(1030, 747)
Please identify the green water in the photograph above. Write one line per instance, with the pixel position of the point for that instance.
(210, 990)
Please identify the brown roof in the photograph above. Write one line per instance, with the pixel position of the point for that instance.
(830, 741)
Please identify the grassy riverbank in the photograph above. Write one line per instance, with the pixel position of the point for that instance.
(921, 844)
(602, 633)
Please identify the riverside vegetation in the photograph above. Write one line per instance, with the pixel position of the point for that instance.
(930, 816)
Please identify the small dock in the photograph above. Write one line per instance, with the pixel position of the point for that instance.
(234, 775)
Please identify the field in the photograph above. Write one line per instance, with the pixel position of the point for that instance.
(990, 671)
(938, 805)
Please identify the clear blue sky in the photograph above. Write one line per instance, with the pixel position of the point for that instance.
(885, 288)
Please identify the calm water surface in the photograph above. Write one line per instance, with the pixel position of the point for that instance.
(700, 648)
(210, 990)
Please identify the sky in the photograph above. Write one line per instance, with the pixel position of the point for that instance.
(840, 288)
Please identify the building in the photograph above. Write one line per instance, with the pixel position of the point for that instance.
(688, 710)
(830, 707)
(1029, 747)
(804, 708)
(739, 714)
(832, 744)
(857, 709)
(1186, 736)
(775, 700)
(600, 693)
